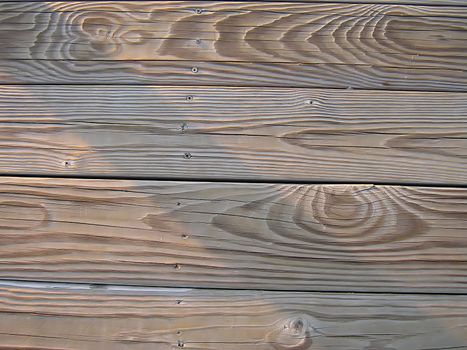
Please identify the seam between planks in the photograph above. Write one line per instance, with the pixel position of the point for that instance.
(38, 284)
(233, 180)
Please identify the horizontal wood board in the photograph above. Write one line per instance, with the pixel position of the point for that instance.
(116, 247)
(391, 2)
(234, 133)
(79, 317)
(19, 72)
(235, 43)
(231, 235)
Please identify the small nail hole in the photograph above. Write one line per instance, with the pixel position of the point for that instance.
(199, 11)
(178, 302)
(198, 41)
(310, 102)
(189, 98)
(184, 236)
(178, 203)
(180, 344)
(187, 155)
(97, 286)
(194, 69)
(179, 332)
(177, 267)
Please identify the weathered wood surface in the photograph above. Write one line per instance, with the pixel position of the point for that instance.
(230, 74)
(51, 316)
(337, 45)
(402, 2)
(396, 36)
(241, 133)
(262, 236)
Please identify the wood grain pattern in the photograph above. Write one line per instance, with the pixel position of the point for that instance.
(241, 133)
(80, 317)
(402, 2)
(263, 236)
(400, 36)
(230, 74)
(363, 43)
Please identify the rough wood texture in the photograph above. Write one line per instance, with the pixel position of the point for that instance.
(233, 74)
(403, 2)
(395, 36)
(293, 237)
(79, 317)
(371, 46)
(249, 133)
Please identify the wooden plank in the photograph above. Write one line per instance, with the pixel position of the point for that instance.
(230, 74)
(397, 36)
(79, 317)
(234, 133)
(403, 2)
(361, 42)
(391, 2)
(262, 236)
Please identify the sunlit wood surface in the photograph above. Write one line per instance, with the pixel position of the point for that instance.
(119, 318)
(261, 236)
(235, 133)
(283, 44)
(233, 175)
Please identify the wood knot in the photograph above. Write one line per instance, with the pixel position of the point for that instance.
(360, 215)
(13, 215)
(292, 334)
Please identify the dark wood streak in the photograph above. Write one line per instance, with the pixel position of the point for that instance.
(300, 237)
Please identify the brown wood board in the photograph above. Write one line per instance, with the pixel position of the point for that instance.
(367, 46)
(234, 133)
(231, 235)
(79, 317)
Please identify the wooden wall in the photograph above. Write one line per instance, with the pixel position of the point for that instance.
(233, 175)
